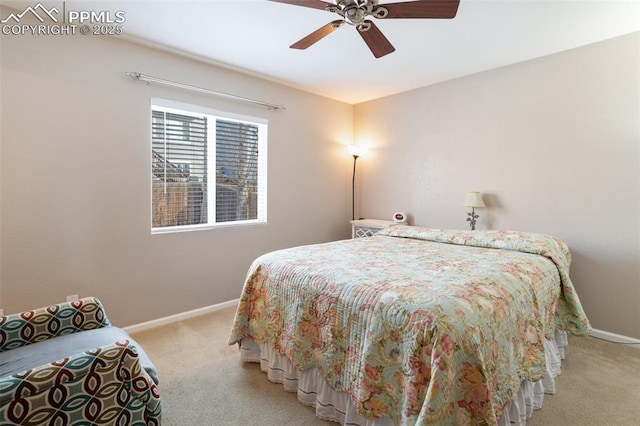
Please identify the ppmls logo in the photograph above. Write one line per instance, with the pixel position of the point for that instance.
(102, 22)
(34, 11)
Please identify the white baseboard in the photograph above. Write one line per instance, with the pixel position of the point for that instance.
(601, 334)
(136, 328)
(615, 338)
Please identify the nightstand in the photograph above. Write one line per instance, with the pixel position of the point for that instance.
(368, 227)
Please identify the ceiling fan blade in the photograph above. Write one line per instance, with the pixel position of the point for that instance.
(318, 34)
(435, 9)
(315, 4)
(376, 41)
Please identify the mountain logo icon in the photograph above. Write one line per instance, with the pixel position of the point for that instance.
(38, 11)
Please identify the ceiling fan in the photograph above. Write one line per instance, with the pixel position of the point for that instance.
(357, 12)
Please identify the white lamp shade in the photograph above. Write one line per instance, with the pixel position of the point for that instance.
(474, 199)
(356, 150)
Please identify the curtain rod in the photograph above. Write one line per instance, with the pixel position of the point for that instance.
(150, 79)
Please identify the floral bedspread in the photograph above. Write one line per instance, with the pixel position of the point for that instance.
(423, 325)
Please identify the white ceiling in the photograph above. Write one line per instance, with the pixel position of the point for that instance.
(254, 35)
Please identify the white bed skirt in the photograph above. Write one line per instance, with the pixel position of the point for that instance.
(336, 406)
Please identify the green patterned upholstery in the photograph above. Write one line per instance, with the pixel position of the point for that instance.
(44, 323)
(101, 386)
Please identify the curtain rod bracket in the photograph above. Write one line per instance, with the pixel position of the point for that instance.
(150, 79)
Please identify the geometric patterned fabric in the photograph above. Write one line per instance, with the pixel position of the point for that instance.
(56, 320)
(102, 386)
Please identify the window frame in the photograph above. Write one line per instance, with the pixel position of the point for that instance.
(214, 114)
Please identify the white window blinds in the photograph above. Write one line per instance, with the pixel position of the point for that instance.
(179, 169)
(236, 171)
(206, 170)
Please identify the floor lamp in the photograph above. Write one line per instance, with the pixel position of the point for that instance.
(356, 151)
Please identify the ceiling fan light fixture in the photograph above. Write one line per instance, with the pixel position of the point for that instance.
(357, 12)
(354, 15)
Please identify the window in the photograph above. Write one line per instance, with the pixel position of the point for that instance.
(207, 168)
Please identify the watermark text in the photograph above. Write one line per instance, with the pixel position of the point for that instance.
(57, 20)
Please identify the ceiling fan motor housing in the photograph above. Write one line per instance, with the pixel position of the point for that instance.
(356, 12)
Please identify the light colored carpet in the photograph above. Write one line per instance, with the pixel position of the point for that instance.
(203, 382)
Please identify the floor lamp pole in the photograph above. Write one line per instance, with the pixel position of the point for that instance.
(353, 189)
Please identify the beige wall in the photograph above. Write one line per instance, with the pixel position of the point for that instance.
(552, 143)
(75, 175)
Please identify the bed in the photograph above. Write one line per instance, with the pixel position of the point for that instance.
(414, 325)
